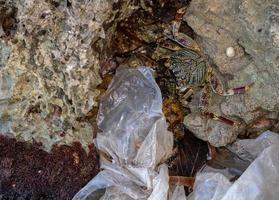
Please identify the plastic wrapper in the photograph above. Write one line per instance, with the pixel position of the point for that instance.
(258, 182)
(133, 141)
(249, 149)
(210, 186)
(178, 193)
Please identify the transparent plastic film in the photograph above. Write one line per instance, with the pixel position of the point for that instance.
(133, 140)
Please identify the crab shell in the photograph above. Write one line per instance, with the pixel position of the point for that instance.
(189, 68)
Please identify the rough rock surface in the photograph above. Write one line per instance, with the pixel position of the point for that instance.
(49, 69)
(251, 27)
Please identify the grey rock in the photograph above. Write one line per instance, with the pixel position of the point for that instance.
(215, 132)
(251, 27)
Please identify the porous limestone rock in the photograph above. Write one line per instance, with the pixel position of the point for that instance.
(50, 68)
(251, 28)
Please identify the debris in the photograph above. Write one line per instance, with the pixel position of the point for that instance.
(210, 186)
(133, 140)
(173, 111)
(223, 158)
(260, 180)
(190, 154)
(182, 180)
(57, 61)
(249, 149)
(262, 152)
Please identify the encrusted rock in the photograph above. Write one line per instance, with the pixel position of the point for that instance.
(251, 28)
(52, 67)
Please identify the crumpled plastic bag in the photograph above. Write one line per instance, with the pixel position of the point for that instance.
(258, 182)
(178, 193)
(210, 186)
(250, 149)
(133, 141)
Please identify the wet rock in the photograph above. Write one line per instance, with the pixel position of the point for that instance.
(251, 28)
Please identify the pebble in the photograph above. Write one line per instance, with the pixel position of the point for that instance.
(230, 52)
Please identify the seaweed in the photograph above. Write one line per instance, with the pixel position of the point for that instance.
(29, 172)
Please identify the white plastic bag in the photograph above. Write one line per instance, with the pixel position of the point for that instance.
(134, 140)
(250, 149)
(258, 182)
(178, 193)
(210, 186)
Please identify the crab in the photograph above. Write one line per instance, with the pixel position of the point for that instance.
(186, 70)
(192, 70)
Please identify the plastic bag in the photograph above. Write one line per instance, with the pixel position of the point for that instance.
(178, 193)
(259, 181)
(134, 140)
(250, 149)
(210, 186)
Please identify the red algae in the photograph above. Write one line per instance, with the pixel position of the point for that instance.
(29, 172)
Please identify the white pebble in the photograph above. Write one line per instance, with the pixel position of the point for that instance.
(230, 52)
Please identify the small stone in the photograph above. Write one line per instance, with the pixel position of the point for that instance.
(230, 52)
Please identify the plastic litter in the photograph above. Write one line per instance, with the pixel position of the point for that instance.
(250, 149)
(178, 193)
(133, 141)
(258, 182)
(210, 186)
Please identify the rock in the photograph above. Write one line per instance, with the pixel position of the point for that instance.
(251, 28)
(208, 129)
(47, 52)
(215, 132)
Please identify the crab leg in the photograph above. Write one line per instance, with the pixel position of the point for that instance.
(238, 90)
(178, 19)
(204, 101)
(180, 38)
(169, 45)
(175, 37)
(147, 60)
(233, 91)
(221, 119)
(185, 96)
(218, 88)
(188, 94)
(184, 41)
